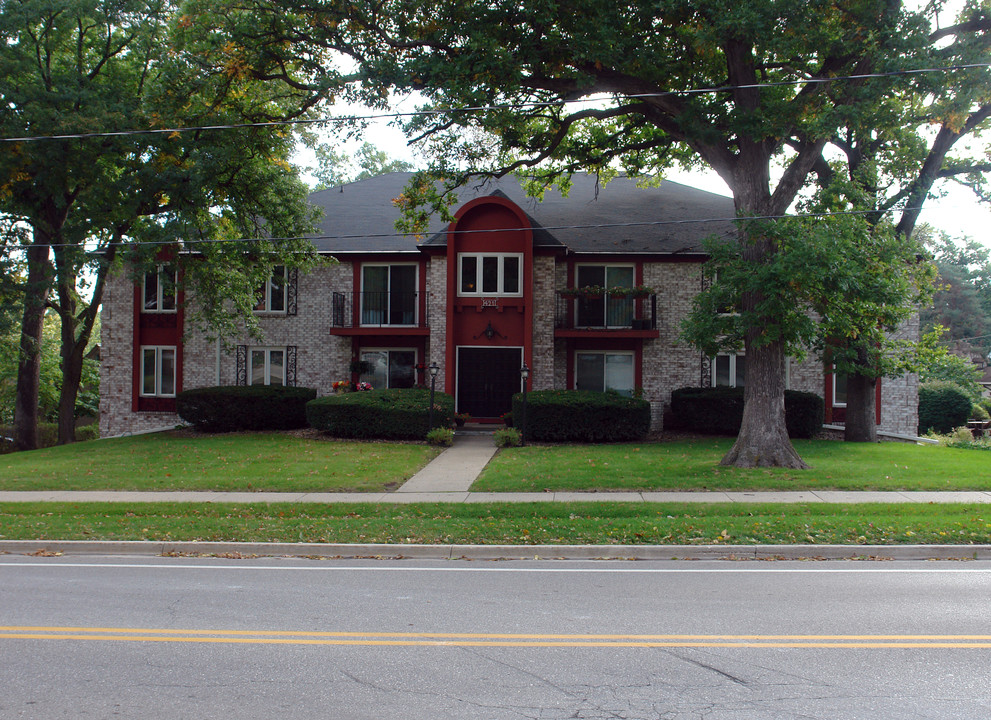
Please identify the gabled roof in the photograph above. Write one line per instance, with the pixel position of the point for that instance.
(619, 217)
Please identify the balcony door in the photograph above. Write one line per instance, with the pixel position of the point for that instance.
(388, 295)
(605, 311)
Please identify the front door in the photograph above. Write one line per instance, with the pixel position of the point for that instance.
(487, 380)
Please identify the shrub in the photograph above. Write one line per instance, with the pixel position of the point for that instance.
(442, 437)
(942, 406)
(383, 414)
(253, 407)
(582, 416)
(507, 437)
(719, 411)
(978, 412)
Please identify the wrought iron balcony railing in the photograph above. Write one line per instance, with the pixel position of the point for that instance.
(607, 312)
(377, 309)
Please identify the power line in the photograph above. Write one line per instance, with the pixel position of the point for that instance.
(483, 108)
(372, 236)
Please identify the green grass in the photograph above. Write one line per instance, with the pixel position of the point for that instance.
(503, 523)
(229, 462)
(693, 465)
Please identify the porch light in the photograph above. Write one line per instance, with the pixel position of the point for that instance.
(524, 374)
(433, 369)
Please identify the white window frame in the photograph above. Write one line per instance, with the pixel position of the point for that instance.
(267, 364)
(158, 350)
(365, 378)
(159, 294)
(416, 290)
(833, 375)
(732, 368)
(264, 305)
(633, 359)
(501, 281)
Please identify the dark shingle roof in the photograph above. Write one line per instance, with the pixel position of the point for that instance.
(616, 218)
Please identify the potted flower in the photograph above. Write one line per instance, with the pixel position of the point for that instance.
(461, 418)
(341, 386)
(641, 291)
(363, 386)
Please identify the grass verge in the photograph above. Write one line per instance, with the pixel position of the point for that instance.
(229, 462)
(694, 465)
(503, 523)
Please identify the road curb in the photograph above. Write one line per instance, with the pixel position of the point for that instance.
(235, 550)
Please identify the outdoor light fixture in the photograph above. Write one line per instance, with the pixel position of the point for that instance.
(434, 369)
(524, 374)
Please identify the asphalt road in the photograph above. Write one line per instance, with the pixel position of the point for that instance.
(265, 638)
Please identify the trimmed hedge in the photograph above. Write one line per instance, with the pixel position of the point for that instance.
(237, 407)
(719, 411)
(581, 416)
(942, 406)
(381, 414)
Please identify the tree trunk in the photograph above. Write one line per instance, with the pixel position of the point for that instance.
(72, 373)
(29, 362)
(861, 409)
(763, 439)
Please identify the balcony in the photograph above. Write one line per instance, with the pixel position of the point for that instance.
(378, 313)
(606, 316)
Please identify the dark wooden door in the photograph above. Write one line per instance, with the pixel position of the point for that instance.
(487, 380)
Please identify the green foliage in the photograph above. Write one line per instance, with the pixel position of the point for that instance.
(507, 437)
(339, 168)
(582, 416)
(252, 407)
(386, 414)
(719, 411)
(978, 412)
(442, 437)
(940, 365)
(837, 285)
(47, 436)
(943, 406)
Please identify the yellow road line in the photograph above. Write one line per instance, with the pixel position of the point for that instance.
(299, 637)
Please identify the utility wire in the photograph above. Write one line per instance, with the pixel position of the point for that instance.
(483, 108)
(372, 236)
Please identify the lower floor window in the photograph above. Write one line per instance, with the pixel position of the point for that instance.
(839, 389)
(390, 368)
(729, 371)
(158, 371)
(267, 366)
(602, 371)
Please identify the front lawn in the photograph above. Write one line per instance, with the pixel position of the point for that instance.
(693, 465)
(276, 462)
(600, 523)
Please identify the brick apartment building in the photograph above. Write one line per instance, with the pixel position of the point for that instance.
(481, 297)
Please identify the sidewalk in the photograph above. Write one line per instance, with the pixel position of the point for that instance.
(449, 476)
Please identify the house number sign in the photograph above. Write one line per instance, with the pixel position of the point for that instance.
(490, 302)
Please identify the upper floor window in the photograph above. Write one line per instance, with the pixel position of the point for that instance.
(608, 310)
(273, 295)
(158, 291)
(729, 370)
(388, 294)
(158, 370)
(490, 274)
(601, 371)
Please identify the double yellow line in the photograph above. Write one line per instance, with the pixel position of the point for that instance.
(301, 637)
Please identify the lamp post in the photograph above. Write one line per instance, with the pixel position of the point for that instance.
(524, 374)
(434, 368)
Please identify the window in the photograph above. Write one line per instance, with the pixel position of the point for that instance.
(495, 274)
(390, 368)
(839, 389)
(388, 295)
(158, 371)
(606, 311)
(729, 371)
(602, 371)
(158, 291)
(267, 366)
(272, 298)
